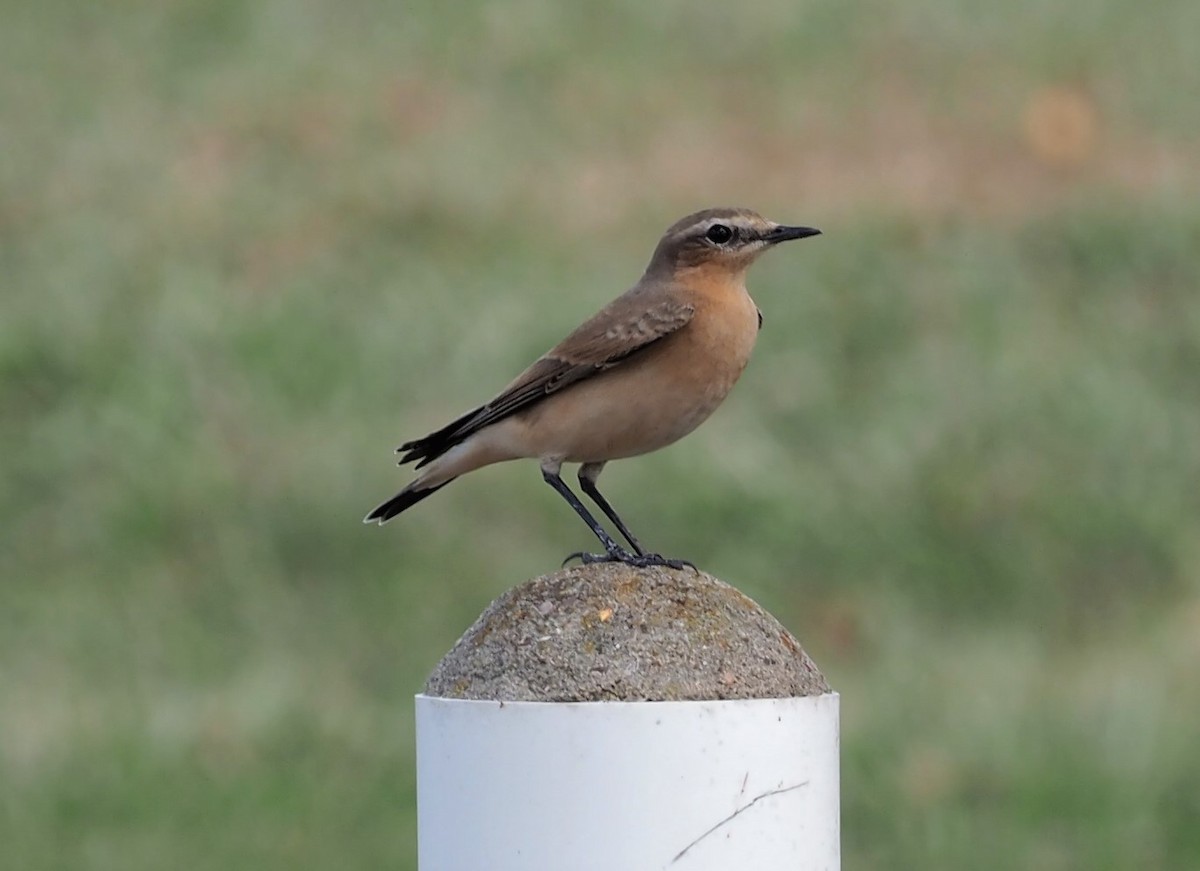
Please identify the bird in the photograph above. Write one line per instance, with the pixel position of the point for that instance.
(638, 375)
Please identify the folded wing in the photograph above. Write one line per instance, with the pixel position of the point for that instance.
(627, 326)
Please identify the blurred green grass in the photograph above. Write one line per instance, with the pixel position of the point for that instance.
(238, 242)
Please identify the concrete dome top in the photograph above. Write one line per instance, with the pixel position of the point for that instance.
(611, 632)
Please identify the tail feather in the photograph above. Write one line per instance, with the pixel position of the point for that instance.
(402, 501)
(432, 446)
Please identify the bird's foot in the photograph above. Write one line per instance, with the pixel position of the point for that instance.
(641, 561)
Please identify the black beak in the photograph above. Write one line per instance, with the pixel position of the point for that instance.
(783, 234)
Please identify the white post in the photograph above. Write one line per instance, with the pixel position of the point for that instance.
(694, 785)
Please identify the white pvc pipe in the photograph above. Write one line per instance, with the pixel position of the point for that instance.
(627, 786)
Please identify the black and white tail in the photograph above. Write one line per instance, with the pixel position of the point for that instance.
(402, 501)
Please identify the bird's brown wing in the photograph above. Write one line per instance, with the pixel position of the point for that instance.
(629, 324)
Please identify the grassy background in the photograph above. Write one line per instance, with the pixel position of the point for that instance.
(237, 245)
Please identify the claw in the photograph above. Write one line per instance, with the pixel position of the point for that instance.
(657, 559)
(640, 561)
(580, 555)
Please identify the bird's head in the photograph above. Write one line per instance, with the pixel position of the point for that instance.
(722, 238)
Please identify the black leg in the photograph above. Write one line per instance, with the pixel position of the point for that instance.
(587, 480)
(613, 550)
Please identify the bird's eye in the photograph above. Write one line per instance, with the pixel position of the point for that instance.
(719, 233)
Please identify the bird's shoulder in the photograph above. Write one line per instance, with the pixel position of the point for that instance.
(636, 318)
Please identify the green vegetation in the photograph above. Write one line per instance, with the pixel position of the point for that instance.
(245, 248)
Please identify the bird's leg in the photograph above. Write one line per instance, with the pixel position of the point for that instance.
(588, 473)
(613, 551)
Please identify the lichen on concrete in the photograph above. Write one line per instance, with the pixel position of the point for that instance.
(611, 632)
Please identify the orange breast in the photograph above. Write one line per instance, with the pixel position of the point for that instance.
(654, 398)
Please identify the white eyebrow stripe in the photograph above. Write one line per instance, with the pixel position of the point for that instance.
(743, 225)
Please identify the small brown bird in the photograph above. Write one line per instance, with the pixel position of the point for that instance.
(641, 373)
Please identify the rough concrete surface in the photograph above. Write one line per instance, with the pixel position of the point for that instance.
(611, 632)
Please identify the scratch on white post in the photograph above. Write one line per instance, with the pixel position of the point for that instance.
(729, 818)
